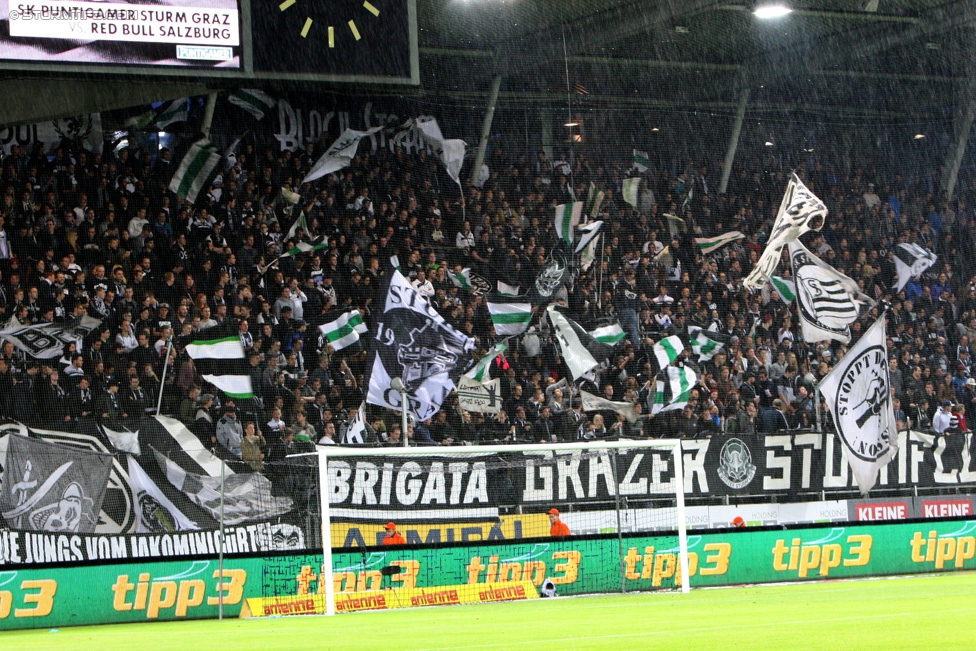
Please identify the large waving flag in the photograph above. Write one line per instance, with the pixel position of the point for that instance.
(911, 261)
(218, 355)
(828, 301)
(415, 344)
(706, 343)
(339, 155)
(194, 169)
(254, 101)
(858, 393)
(800, 212)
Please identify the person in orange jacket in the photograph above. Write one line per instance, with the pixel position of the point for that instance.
(393, 537)
(558, 528)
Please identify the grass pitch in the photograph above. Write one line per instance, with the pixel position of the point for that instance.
(925, 612)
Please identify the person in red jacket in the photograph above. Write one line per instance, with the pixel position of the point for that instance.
(393, 537)
(558, 528)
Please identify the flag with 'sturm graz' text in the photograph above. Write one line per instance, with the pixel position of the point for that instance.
(218, 356)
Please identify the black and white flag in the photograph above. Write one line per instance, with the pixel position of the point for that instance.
(154, 512)
(911, 261)
(218, 355)
(858, 393)
(50, 487)
(247, 496)
(800, 212)
(355, 433)
(827, 300)
(47, 341)
(413, 342)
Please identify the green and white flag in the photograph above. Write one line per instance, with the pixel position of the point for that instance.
(711, 244)
(667, 350)
(480, 371)
(631, 187)
(461, 280)
(305, 247)
(218, 356)
(299, 223)
(508, 290)
(704, 343)
(254, 101)
(194, 169)
(641, 161)
(785, 288)
(611, 334)
(594, 199)
(681, 380)
(171, 113)
(664, 401)
(345, 330)
(567, 217)
(510, 318)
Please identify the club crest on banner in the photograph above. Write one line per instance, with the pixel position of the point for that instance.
(821, 297)
(480, 286)
(736, 468)
(426, 354)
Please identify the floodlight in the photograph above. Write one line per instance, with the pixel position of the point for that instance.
(766, 12)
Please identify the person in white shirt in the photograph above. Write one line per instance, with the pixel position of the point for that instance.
(422, 285)
(943, 419)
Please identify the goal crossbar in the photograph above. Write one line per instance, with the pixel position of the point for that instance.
(325, 453)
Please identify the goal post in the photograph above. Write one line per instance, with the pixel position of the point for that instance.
(624, 488)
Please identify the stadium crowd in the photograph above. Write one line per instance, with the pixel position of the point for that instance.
(102, 236)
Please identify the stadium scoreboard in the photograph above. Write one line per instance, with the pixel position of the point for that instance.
(316, 40)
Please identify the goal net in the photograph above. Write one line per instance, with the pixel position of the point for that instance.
(477, 523)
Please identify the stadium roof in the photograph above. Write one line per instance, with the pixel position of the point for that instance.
(866, 58)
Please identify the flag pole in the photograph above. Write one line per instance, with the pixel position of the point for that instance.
(162, 383)
(397, 385)
(599, 288)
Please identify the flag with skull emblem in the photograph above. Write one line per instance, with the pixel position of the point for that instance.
(413, 342)
(50, 487)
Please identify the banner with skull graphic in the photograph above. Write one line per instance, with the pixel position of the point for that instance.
(49, 487)
(414, 343)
